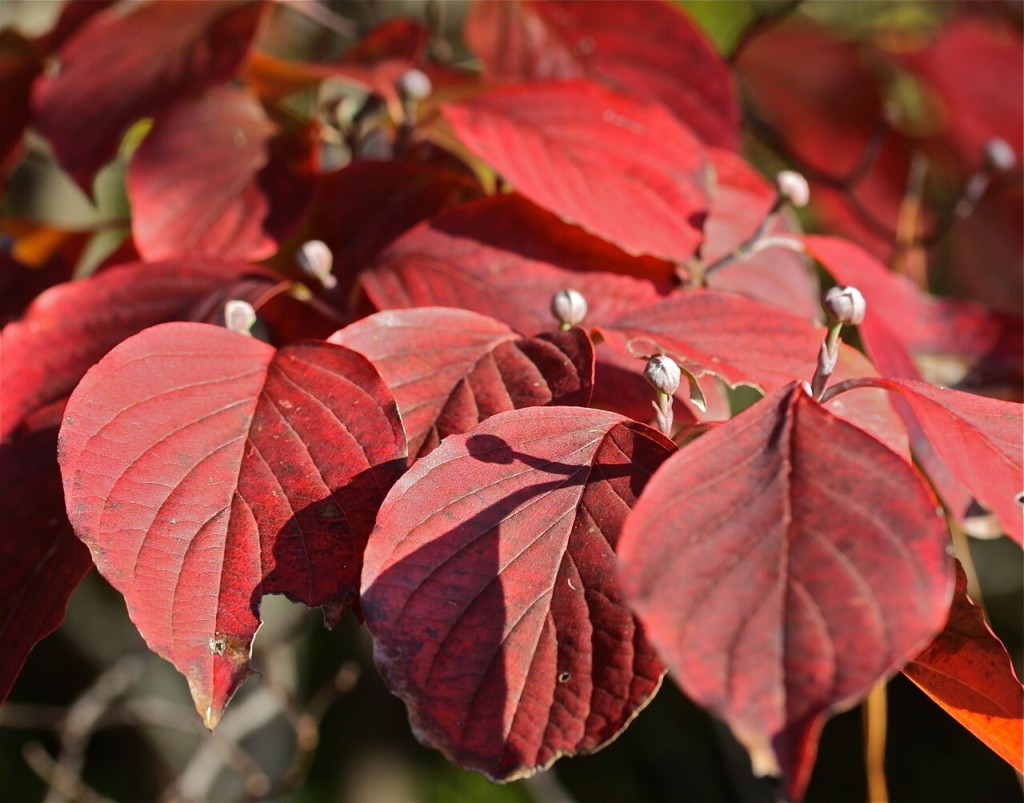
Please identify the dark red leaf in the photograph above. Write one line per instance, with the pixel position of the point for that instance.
(489, 586)
(41, 561)
(366, 205)
(205, 469)
(400, 38)
(646, 49)
(69, 327)
(968, 672)
(738, 339)
(739, 203)
(505, 258)
(783, 564)
(450, 369)
(979, 438)
(194, 182)
(623, 169)
(132, 61)
(20, 63)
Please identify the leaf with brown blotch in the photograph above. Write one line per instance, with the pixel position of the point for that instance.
(782, 565)
(205, 469)
(489, 587)
(450, 369)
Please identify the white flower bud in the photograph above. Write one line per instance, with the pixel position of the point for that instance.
(845, 304)
(316, 260)
(793, 187)
(568, 306)
(239, 316)
(999, 155)
(663, 374)
(414, 85)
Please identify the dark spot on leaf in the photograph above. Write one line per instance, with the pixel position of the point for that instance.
(1020, 498)
(564, 677)
(490, 449)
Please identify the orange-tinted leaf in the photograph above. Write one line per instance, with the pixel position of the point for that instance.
(642, 48)
(489, 586)
(783, 564)
(450, 369)
(968, 672)
(625, 170)
(204, 469)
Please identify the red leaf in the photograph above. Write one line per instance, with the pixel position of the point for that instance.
(20, 63)
(130, 62)
(976, 69)
(504, 257)
(194, 182)
(204, 469)
(740, 340)
(968, 672)
(450, 369)
(489, 586)
(625, 170)
(399, 38)
(739, 204)
(366, 205)
(41, 562)
(979, 438)
(903, 323)
(69, 327)
(646, 49)
(783, 564)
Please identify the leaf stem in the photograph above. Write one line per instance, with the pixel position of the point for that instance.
(875, 713)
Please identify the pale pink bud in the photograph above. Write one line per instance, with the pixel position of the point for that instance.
(845, 304)
(999, 155)
(316, 260)
(793, 187)
(414, 85)
(569, 306)
(663, 374)
(239, 316)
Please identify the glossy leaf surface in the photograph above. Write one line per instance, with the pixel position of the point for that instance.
(450, 369)
(673, 62)
(783, 564)
(489, 586)
(968, 672)
(130, 62)
(205, 469)
(625, 170)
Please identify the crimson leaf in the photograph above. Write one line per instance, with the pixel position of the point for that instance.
(782, 565)
(489, 587)
(205, 469)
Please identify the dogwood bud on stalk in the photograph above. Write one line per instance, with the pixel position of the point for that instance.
(999, 156)
(569, 308)
(413, 86)
(239, 316)
(844, 306)
(792, 186)
(316, 260)
(663, 374)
